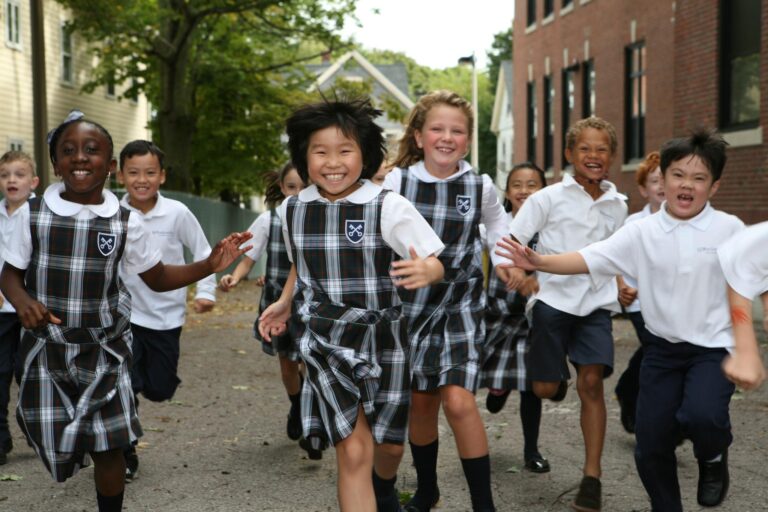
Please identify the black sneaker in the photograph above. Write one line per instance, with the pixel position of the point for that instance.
(5, 449)
(589, 497)
(293, 425)
(131, 464)
(312, 452)
(713, 482)
(537, 464)
(495, 402)
(418, 504)
(627, 416)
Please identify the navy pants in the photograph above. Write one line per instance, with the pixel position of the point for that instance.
(628, 384)
(155, 362)
(682, 392)
(10, 332)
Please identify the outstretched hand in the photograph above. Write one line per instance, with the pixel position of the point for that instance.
(521, 257)
(274, 320)
(228, 250)
(416, 272)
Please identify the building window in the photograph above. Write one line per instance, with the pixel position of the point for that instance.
(635, 102)
(740, 66)
(531, 12)
(133, 93)
(569, 104)
(549, 122)
(549, 8)
(111, 86)
(567, 3)
(67, 71)
(588, 89)
(532, 124)
(12, 24)
(15, 145)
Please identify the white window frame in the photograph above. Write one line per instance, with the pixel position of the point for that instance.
(15, 144)
(67, 53)
(13, 24)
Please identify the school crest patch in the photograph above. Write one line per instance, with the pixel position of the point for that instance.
(106, 243)
(355, 230)
(463, 204)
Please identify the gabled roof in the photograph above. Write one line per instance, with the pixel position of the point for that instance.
(503, 84)
(387, 75)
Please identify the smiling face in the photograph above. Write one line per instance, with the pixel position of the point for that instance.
(334, 163)
(444, 138)
(653, 190)
(17, 181)
(591, 156)
(688, 185)
(521, 184)
(83, 162)
(142, 177)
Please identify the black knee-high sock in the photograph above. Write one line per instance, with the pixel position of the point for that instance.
(478, 474)
(387, 499)
(109, 503)
(425, 462)
(295, 402)
(530, 416)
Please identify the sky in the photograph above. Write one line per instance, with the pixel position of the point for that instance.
(432, 32)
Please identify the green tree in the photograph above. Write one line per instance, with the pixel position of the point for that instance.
(220, 74)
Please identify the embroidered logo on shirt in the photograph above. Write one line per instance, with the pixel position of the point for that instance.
(106, 243)
(355, 230)
(463, 204)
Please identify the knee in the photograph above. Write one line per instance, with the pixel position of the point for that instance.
(545, 389)
(590, 386)
(704, 417)
(354, 454)
(458, 406)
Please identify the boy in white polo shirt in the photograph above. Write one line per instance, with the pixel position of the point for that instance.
(744, 260)
(157, 318)
(673, 256)
(571, 318)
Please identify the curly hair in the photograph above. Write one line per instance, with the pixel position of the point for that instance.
(408, 152)
(595, 122)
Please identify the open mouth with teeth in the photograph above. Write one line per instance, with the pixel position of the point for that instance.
(684, 199)
(334, 178)
(80, 173)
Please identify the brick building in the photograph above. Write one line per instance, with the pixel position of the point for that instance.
(654, 69)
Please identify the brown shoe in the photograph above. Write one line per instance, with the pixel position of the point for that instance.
(588, 498)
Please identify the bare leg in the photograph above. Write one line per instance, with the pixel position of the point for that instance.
(589, 385)
(464, 418)
(354, 460)
(289, 371)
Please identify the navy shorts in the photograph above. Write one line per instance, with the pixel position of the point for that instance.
(556, 334)
(155, 362)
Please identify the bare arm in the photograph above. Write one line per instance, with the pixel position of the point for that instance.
(744, 367)
(32, 314)
(528, 259)
(417, 272)
(273, 321)
(242, 269)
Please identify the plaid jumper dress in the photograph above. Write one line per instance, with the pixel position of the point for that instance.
(446, 328)
(276, 273)
(351, 334)
(75, 394)
(506, 337)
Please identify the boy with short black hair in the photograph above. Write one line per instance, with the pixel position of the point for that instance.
(571, 318)
(157, 317)
(17, 181)
(682, 388)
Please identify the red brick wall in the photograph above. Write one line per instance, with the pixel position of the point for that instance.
(682, 64)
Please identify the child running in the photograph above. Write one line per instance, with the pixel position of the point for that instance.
(342, 234)
(744, 261)
(75, 396)
(268, 236)
(17, 181)
(650, 183)
(446, 328)
(683, 390)
(506, 337)
(571, 319)
(157, 318)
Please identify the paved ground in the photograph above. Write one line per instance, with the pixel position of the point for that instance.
(220, 445)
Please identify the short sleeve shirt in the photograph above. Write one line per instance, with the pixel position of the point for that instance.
(744, 260)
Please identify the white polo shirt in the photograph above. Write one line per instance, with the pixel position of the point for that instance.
(492, 214)
(172, 226)
(567, 219)
(646, 211)
(260, 231)
(744, 260)
(678, 273)
(139, 254)
(6, 224)
(402, 226)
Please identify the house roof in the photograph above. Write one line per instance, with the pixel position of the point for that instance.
(393, 78)
(503, 84)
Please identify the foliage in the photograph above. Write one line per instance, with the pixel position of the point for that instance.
(501, 49)
(221, 74)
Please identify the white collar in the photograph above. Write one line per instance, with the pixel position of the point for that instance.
(420, 172)
(61, 206)
(365, 194)
(608, 188)
(4, 207)
(156, 211)
(701, 221)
